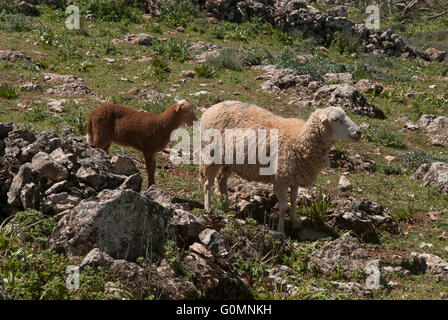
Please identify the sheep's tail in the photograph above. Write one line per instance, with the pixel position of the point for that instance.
(89, 130)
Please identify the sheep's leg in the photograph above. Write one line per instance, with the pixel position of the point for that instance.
(209, 179)
(223, 175)
(282, 196)
(296, 223)
(150, 162)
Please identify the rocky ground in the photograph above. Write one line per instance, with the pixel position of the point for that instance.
(374, 225)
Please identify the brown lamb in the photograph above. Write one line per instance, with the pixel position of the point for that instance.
(144, 131)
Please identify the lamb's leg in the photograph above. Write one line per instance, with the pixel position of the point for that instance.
(296, 223)
(282, 196)
(150, 162)
(209, 173)
(223, 175)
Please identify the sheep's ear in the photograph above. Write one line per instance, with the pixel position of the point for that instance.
(177, 108)
(324, 117)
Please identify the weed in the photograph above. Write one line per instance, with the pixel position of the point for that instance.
(384, 137)
(174, 48)
(81, 66)
(108, 48)
(15, 22)
(227, 58)
(314, 66)
(173, 256)
(405, 214)
(205, 71)
(393, 170)
(77, 120)
(158, 70)
(317, 209)
(344, 44)
(414, 159)
(111, 10)
(38, 113)
(178, 14)
(7, 92)
(428, 103)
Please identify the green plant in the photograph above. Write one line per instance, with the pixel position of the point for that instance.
(111, 10)
(7, 7)
(414, 159)
(174, 48)
(15, 22)
(38, 113)
(77, 120)
(32, 271)
(178, 14)
(227, 58)
(172, 255)
(81, 66)
(384, 137)
(393, 170)
(317, 209)
(252, 267)
(205, 71)
(345, 44)
(7, 92)
(158, 70)
(108, 48)
(314, 66)
(428, 103)
(405, 214)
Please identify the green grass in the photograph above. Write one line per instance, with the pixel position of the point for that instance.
(32, 271)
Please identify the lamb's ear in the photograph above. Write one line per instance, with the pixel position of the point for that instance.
(177, 108)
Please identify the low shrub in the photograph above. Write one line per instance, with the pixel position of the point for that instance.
(111, 10)
(205, 71)
(314, 66)
(15, 22)
(174, 48)
(384, 137)
(159, 70)
(414, 159)
(345, 44)
(7, 91)
(178, 14)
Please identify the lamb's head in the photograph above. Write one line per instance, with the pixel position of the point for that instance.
(185, 111)
(338, 125)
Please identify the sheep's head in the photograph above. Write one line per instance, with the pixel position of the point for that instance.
(186, 112)
(339, 125)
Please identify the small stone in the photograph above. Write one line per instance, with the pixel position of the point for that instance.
(200, 93)
(425, 245)
(344, 183)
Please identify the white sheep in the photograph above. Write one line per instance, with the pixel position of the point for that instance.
(303, 148)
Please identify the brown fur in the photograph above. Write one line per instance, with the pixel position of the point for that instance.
(144, 131)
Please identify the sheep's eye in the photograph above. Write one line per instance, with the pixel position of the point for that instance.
(336, 119)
